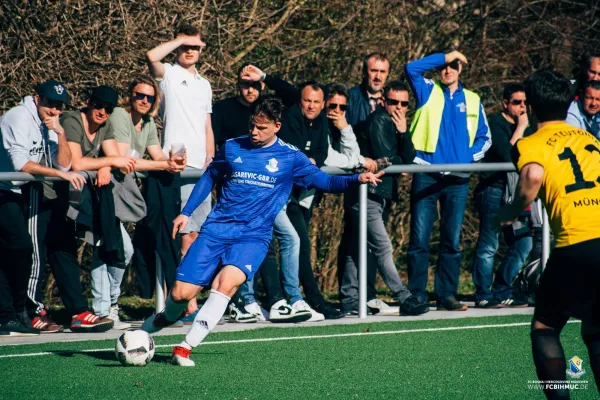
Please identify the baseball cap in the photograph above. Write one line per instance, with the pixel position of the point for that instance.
(105, 94)
(52, 90)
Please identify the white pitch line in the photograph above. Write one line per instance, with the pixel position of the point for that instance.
(277, 339)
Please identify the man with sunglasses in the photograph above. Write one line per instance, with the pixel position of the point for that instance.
(449, 127)
(384, 138)
(506, 127)
(93, 147)
(226, 127)
(33, 141)
(185, 110)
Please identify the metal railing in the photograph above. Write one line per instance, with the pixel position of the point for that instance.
(362, 267)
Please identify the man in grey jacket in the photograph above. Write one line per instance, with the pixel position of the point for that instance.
(33, 141)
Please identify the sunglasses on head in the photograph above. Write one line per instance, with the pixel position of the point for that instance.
(194, 48)
(108, 108)
(517, 102)
(333, 106)
(142, 96)
(58, 105)
(393, 102)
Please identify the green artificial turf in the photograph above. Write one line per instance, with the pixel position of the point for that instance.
(489, 363)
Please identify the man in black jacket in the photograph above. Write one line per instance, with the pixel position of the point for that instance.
(231, 115)
(384, 137)
(507, 126)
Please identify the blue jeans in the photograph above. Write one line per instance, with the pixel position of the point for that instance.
(289, 255)
(489, 200)
(106, 279)
(426, 191)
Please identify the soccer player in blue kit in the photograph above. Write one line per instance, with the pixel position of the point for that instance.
(257, 172)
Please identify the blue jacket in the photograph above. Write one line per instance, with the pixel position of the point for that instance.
(453, 143)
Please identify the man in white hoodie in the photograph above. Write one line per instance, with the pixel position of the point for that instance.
(33, 141)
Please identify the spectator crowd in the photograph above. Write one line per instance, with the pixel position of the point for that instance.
(97, 150)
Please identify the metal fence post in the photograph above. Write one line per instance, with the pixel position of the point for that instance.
(160, 284)
(545, 238)
(362, 252)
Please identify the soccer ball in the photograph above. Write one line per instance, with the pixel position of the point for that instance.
(134, 348)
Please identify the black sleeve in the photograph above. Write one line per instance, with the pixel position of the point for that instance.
(217, 124)
(288, 132)
(319, 144)
(500, 149)
(514, 154)
(406, 149)
(379, 129)
(285, 90)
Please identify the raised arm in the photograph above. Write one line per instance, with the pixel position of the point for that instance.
(155, 56)
(285, 90)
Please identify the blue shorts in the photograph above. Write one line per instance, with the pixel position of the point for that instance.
(207, 254)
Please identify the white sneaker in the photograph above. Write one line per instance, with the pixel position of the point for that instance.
(302, 305)
(113, 314)
(381, 308)
(240, 315)
(283, 312)
(181, 357)
(255, 309)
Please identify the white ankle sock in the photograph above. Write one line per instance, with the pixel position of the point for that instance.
(173, 310)
(207, 318)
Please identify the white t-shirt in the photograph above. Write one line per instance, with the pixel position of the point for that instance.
(187, 99)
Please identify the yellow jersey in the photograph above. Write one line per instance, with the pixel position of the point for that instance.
(571, 186)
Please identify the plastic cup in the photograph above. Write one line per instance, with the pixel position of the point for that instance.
(178, 149)
(133, 153)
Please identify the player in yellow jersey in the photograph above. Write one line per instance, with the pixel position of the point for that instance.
(561, 165)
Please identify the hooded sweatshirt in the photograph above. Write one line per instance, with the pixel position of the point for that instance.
(25, 138)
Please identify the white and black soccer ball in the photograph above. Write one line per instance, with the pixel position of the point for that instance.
(134, 348)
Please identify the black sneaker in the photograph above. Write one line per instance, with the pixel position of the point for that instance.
(413, 306)
(451, 304)
(489, 304)
(514, 303)
(328, 311)
(15, 329)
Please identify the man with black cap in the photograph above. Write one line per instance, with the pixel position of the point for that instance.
(94, 148)
(33, 141)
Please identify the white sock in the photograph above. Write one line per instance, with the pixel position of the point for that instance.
(207, 318)
(173, 310)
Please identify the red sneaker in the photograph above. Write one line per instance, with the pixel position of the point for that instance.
(44, 324)
(181, 357)
(90, 322)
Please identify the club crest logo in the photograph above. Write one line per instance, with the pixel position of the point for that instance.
(59, 89)
(575, 367)
(272, 165)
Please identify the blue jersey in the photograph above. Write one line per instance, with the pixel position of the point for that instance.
(257, 182)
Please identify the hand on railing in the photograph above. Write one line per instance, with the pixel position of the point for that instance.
(369, 177)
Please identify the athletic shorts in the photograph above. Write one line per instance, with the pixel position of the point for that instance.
(570, 285)
(207, 254)
(199, 215)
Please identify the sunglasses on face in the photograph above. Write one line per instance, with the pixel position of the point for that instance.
(333, 106)
(248, 85)
(194, 48)
(108, 108)
(453, 65)
(142, 96)
(517, 102)
(392, 102)
(58, 105)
